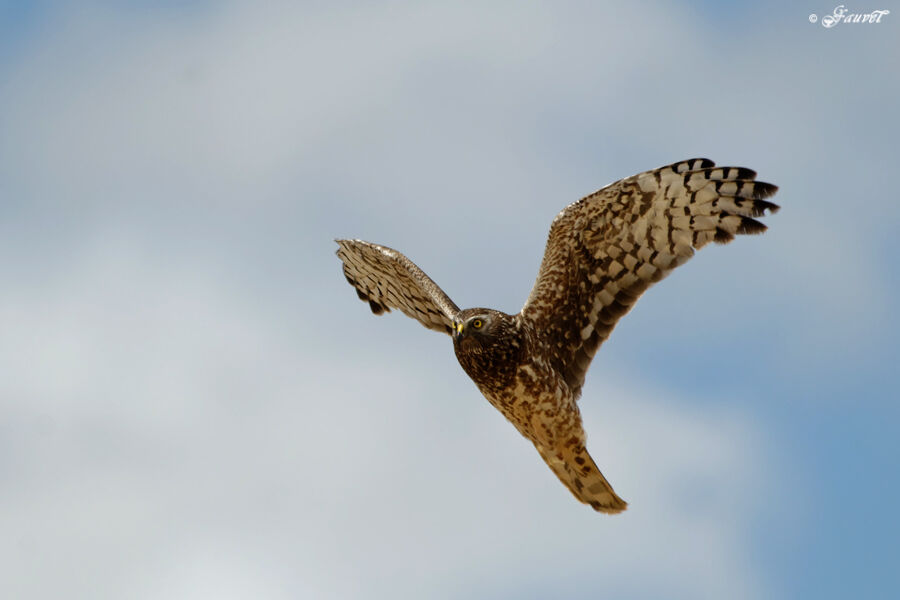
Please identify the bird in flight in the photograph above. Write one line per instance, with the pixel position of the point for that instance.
(602, 253)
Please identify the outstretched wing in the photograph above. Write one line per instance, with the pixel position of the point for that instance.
(606, 249)
(386, 279)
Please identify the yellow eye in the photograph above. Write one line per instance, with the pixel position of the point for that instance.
(477, 323)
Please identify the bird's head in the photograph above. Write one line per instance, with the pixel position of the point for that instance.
(476, 329)
(488, 345)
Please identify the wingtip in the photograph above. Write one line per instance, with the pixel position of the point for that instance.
(616, 506)
(763, 190)
(751, 226)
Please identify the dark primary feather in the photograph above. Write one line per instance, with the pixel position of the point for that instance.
(606, 249)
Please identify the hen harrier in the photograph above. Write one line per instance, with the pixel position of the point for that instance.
(603, 252)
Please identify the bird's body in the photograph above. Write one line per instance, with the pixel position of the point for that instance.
(533, 396)
(602, 253)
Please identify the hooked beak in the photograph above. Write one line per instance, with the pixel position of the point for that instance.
(457, 330)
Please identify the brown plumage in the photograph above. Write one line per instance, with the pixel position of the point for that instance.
(603, 252)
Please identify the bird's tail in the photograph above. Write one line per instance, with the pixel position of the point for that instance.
(578, 472)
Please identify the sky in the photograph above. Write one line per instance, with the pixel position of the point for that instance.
(194, 403)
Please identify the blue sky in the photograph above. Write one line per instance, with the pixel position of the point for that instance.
(193, 403)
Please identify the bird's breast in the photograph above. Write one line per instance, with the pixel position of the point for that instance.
(532, 402)
(491, 367)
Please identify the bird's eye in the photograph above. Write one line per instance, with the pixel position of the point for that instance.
(477, 323)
